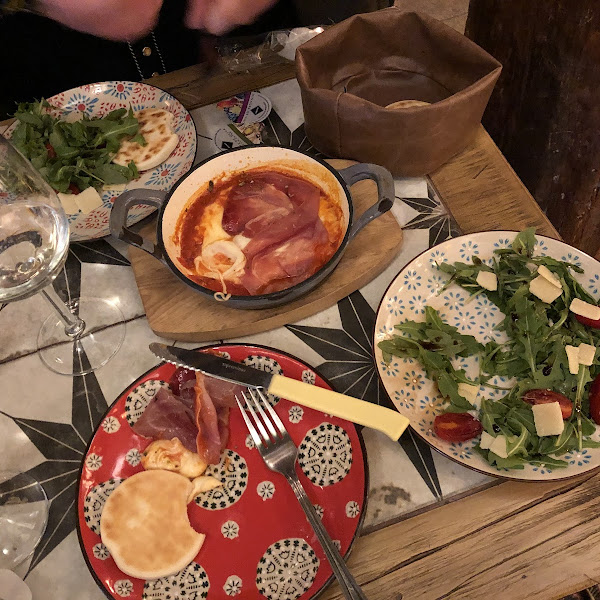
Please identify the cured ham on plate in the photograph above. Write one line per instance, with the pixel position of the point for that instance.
(168, 416)
(214, 398)
(197, 415)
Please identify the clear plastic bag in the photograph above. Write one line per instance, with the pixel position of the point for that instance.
(244, 54)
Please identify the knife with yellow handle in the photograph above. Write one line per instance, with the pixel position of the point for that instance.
(364, 413)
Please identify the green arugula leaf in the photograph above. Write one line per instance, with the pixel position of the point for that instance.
(521, 416)
(548, 462)
(138, 138)
(524, 242)
(583, 378)
(118, 114)
(517, 446)
(587, 426)
(412, 328)
(29, 117)
(112, 174)
(513, 462)
(563, 439)
(449, 389)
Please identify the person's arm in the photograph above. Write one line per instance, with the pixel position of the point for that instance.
(118, 20)
(125, 20)
(219, 16)
(12, 6)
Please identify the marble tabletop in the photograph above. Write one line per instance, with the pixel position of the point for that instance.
(46, 420)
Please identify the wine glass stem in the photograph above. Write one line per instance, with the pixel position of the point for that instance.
(74, 326)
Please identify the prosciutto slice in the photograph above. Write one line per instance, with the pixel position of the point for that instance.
(187, 393)
(291, 259)
(180, 378)
(166, 417)
(198, 415)
(270, 209)
(254, 204)
(222, 392)
(212, 423)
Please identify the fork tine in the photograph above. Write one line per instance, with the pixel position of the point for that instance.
(272, 413)
(266, 419)
(265, 436)
(255, 418)
(253, 433)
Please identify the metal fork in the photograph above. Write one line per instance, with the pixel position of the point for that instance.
(280, 453)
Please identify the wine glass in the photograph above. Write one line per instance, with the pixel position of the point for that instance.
(80, 336)
(23, 517)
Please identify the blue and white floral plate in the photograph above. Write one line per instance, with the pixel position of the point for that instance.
(417, 285)
(97, 99)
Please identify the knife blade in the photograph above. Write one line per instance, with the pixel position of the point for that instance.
(364, 413)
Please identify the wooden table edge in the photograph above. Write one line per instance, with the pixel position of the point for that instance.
(439, 529)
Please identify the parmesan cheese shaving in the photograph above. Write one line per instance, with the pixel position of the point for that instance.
(585, 309)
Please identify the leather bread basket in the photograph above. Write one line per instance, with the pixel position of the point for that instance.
(351, 72)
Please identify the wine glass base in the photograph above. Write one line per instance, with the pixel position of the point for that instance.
(23, 517)
(103, 336)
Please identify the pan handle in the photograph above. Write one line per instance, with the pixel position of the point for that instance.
(118, 218)
(385, 191)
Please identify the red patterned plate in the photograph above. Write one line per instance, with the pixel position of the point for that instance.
(97, 99)
(258, 541)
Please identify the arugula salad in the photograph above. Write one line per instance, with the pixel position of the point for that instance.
(552, 402)
(73, 156)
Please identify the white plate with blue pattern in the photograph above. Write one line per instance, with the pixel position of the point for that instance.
(417, 285)
(96, 100)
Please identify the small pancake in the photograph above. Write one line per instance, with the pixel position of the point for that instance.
(407, 104)
(156, 125)
(145, 525)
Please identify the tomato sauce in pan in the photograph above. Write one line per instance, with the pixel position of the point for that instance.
(258, 232)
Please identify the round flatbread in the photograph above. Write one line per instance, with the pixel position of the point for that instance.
(156, 125)
(145, 525)
(407, 104)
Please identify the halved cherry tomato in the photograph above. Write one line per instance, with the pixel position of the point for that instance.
(456, 427)
(547, 397)
(595, 400)
(51, 150)
(181, 375)
(593, 323)
(74, 189)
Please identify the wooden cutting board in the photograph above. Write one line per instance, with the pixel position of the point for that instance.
(177, 312)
